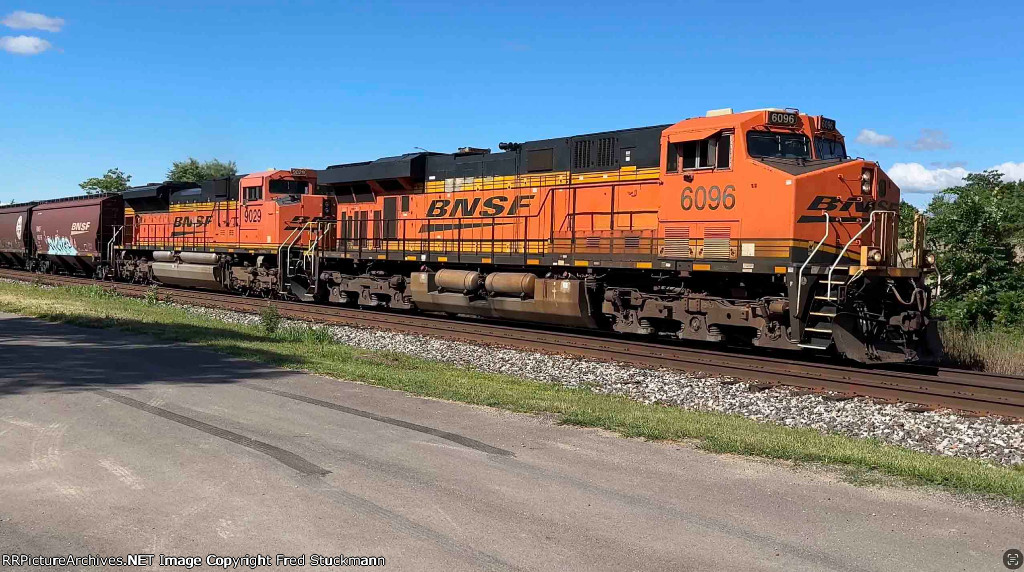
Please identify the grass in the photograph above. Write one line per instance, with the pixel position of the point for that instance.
(313, 349)
(992, 350)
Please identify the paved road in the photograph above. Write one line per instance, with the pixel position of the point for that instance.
(112, 444)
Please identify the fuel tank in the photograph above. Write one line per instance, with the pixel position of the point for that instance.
(465, 281)
(518, 284)
(189, 275)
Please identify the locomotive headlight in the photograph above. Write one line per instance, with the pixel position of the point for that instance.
(875, 255)
(929, 258)
(867, 177)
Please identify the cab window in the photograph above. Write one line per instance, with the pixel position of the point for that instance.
(713, 152)
(285, 187)
(253, 193)
(828, 148)
(780, 145)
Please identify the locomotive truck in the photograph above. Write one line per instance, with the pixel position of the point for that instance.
(750, 228)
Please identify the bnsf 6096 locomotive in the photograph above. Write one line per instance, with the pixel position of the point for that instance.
(752, 228)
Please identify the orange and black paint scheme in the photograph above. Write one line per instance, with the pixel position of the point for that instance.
(749, 228)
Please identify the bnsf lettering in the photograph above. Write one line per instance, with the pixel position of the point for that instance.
(493, 206)
(828, 204)
(79, 226)
(190, 222)
(462, 207)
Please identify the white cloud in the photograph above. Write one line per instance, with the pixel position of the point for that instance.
(21, 20)
(916, 178)
(870, 137)
(931, 140)
(1011, 171)
(24, 45)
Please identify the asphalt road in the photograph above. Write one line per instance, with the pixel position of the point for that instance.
(113, 444)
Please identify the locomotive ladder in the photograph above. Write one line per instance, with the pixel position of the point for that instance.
(823, 307)
(288, 265)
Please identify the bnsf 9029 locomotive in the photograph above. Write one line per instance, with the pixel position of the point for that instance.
(753, 228)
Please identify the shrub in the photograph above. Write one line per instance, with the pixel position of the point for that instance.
(270, 319)
(153, 295)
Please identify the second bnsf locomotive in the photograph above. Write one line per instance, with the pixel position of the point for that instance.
(752, 228)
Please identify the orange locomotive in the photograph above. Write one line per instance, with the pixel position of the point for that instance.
(752, 228)
(222, 234)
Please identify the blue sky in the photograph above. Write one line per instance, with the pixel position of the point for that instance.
(929, 89)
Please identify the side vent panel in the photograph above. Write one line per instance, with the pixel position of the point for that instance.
(677, 242)
(716, 242)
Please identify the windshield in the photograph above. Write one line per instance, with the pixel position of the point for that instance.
(784, 145)
(826, 148)
(281, 186)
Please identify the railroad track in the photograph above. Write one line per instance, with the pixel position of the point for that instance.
(960, 390)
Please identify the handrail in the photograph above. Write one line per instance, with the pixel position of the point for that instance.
(321, 232)
(871, 221)
(110, 244)
(291, 240)
(800, 275)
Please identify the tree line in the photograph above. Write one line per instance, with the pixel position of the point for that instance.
(188, 171)
(977, 232)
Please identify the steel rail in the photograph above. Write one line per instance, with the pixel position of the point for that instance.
(960, 390)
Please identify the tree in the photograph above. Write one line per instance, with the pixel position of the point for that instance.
(977, 229)
(192, 171)
(113, 181)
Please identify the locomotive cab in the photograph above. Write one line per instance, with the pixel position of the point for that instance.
(780, 186)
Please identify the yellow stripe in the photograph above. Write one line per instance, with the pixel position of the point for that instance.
(468, 184)
(643, 265)
(702, 267)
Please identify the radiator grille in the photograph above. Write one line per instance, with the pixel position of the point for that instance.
(605, 151)
(677, 242)
(716, 242)
(581, 155)
(593, 241)
(632, 241)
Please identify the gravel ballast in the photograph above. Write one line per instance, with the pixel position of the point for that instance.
(937, 432)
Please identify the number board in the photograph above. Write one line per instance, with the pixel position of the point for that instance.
(826, 124)
(783, 118)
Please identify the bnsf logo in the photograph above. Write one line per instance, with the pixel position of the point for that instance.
(497, 205)
(829, 204)
(80, 226)
(188, 221)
